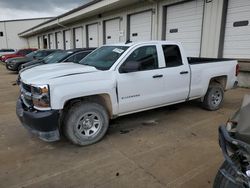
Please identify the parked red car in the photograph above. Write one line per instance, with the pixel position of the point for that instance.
(19, 53)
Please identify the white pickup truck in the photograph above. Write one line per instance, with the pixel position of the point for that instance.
(114, 80)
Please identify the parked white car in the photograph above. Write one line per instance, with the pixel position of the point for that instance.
(115, 80)
(6, 51)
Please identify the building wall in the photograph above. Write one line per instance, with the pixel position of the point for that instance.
(10, 29)
(212, 19)
(211, 28)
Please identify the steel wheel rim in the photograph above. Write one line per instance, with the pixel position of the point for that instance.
(216, 97)
(88, 125)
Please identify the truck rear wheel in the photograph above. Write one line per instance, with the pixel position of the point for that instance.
(214, 97)
(86, 123)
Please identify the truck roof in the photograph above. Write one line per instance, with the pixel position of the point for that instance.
(145, 42)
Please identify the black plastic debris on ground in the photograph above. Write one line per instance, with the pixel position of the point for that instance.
(150, 123)
(124, 131)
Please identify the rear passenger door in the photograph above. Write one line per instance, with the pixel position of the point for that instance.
(176, 75)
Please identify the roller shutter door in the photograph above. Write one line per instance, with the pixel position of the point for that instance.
(78, 42)
(52, 41)
(237, 33)
(140, 26)
(67, 39)
(112, 29)
(184, 24)
(59, 40)
(92, 35)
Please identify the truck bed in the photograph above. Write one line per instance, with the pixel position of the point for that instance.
(200, 60)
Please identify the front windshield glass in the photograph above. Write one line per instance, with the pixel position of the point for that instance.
(56, 57)
(104, 57)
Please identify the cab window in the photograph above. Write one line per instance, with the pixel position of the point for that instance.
(144, 58)
(172, 55)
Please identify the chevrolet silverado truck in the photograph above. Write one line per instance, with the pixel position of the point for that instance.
(78, 100)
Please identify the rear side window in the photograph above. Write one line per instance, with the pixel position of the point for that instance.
(77, 57)
(80, 56)
(28, 51)
(21, 52)
(24, 52)
(172, 55)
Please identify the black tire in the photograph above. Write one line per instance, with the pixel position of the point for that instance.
(19, 68)
(79, 123)
(214, 97)
(221, 182)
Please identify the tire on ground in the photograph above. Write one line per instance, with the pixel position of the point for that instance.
(72, 119)
(214, 90)
(221, 182)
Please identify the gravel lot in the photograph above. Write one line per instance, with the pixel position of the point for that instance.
(168, 147)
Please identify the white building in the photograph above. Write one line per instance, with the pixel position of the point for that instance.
(9, 30)
(208, 28)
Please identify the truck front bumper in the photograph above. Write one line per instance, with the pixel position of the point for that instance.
(45, 124)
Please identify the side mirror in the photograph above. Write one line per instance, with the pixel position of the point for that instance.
(130, 66)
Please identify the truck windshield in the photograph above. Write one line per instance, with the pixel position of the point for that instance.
(104, 57)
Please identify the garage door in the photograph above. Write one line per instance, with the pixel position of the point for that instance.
(78, 42)
(92, 33)
(52, 41)
(237, 33)
(59, 40)
(140, 26)
(112, 30)
(40, 42)
(67, 39)
(184, 24)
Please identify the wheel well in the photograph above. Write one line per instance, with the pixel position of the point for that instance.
(103, 99)
(220, 79)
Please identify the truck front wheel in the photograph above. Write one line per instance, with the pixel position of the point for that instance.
(86, 123)
(214, 97)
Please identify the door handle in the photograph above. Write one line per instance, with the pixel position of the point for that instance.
(184, 72)
(158, 76)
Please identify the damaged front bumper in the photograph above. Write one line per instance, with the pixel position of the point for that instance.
(45, 124)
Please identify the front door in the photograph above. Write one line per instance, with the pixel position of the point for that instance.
(144, 87)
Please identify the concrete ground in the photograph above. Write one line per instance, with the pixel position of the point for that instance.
(168, 147)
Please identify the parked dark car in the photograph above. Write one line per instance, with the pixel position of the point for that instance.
(18, 53)
(14, 64)
(72, 55)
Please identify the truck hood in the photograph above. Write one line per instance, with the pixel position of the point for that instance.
(45, 73)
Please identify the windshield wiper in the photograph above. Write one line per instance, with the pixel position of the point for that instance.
(87, 64)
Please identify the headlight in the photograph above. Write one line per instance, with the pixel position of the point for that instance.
(40, 96)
